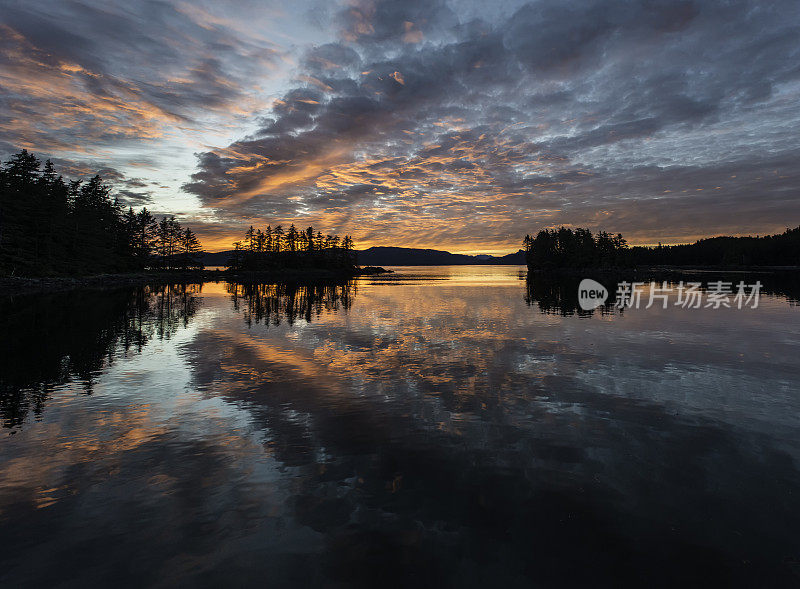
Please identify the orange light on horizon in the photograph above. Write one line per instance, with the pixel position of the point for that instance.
(225, 242)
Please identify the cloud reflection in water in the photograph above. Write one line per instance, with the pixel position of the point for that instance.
(419, 430)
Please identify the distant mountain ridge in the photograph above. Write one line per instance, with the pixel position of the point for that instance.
(406, 256)
(400, 256)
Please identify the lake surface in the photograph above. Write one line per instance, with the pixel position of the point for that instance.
(442, 426)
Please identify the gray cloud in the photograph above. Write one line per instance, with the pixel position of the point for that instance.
(86, 74)
(546, 117)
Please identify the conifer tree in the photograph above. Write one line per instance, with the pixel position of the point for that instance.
(51, 226)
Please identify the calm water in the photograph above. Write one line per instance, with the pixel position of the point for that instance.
(451, 426)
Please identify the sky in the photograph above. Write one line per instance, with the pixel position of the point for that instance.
(418, 123)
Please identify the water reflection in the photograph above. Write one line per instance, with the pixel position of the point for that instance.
(558, 294)
(272, 303)
(49, 340)
(428, 432)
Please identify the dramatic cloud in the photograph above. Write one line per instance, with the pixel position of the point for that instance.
(665, 120)
(431, 123)
(81, 76)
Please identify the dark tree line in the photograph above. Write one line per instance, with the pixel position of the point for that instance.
(276, 248)
(782, 249)
(565, 248)
(49, 225)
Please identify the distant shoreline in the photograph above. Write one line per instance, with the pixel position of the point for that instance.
(10, 286)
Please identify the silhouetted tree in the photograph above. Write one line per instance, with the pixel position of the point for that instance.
(142, 231)
(295, 249)
(291, 238)
(190, 249)
(50, 226)
(167, 239)
(310, 238)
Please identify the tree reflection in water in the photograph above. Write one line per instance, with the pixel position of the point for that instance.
(272, 303)
(557, 294)
(436, 434)
(73, 336)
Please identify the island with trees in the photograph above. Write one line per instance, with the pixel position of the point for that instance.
(566, 249)
(273, 249)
